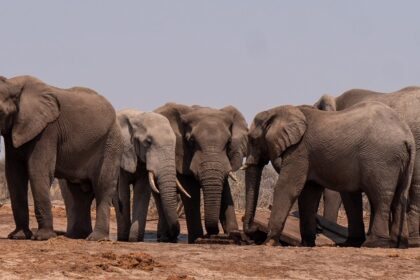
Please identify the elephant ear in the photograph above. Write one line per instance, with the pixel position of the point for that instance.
(38, 107)
(237, 148)
(129, 156)
(286, 129)
(174, 112)
(326, 103)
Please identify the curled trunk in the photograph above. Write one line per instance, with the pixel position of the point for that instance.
(252, 185)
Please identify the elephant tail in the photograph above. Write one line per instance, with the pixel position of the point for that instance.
(399, 227)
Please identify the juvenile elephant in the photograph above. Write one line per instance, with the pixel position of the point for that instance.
(366, 148)
(210, 145)
(148, 163)
(49, 132)
(406, 102)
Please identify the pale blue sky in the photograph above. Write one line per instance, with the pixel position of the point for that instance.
(252, 54)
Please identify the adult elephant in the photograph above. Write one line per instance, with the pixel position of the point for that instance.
(148, 163)
(406, 102)
(210, 145)
(49, 132)
(366, 148)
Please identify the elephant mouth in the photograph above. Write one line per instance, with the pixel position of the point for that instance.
(154, 186)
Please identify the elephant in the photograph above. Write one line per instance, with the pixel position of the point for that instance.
(405, 102)
(69, 134)
(364, 148)
(210, 145)
(149, 153)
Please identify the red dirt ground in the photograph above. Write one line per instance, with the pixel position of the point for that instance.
(61, 258)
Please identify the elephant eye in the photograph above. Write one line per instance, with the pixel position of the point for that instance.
(148, 141)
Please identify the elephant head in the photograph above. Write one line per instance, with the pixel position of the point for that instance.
(27, 106)
(326, 103)
(149, 141)
(211, 144)
(272, 133)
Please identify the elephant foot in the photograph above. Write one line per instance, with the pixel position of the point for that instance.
(20, 234)
(98, 236)
(352, 242)
(414, 242)
(44, 234)
(167, 239)
(271, 242)
(378, 242)
(308, 241)
(76, 234)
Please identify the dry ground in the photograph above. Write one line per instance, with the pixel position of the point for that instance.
(64, 258)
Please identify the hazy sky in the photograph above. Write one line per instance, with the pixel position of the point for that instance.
(252, 54)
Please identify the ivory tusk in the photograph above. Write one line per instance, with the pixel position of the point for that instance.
(181, 188)
(233, 176)
(152, 182)
(244, 167)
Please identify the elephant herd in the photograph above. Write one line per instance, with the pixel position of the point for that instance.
(359, 142)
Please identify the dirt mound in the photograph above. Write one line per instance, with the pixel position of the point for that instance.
(127, 261)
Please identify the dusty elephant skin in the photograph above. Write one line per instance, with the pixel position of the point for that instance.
(70, 134)
(406, 102)
(149, 153)
(210, 144)
(366, 148)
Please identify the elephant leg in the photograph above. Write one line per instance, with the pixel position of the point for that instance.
(192, 207)
(124, 221)
(227, 210)
(332, 203)
(372, 214)
(141, 199)
(41, 168)
(105, 187)
(78, 200)
(17, 183)
(308, 202)
(413, 210)
(291, 181)
(353, 205)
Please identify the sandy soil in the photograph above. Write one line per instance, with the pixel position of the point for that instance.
(78, 259)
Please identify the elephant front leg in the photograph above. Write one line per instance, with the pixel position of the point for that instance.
(308, 206)
(123, 207)
(41, 167)
(192, 208)
(332, 203)
(141, 199)
(227, 211)
(413, 210)
(17, 183)
(290, 183)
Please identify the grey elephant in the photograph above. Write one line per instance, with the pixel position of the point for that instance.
(70, 134)
(406, 102)
(366, 148)
(210, 145)
(148, 163)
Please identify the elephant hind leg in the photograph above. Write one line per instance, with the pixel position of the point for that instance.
(78, 200)
(105, 185)
(308, 202)
(413, 210)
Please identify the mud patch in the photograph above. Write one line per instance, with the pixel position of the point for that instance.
(140, 261)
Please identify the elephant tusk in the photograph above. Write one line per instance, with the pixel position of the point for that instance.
(181, 188)
(152, 182)
(244, 167)
(233, 176)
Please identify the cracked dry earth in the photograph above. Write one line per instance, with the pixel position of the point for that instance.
(61, 258)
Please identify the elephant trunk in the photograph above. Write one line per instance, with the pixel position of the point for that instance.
(166, 179)
(252, 187)
(212, 177)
